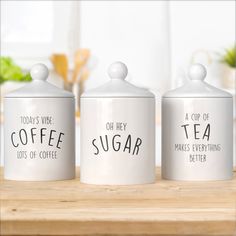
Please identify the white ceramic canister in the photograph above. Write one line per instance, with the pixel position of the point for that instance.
(39, 131)
(118, 132)
(197, 126)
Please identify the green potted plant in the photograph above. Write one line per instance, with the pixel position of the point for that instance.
(228, 58)
(9, 71)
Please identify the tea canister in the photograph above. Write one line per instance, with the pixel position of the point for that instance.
(197, 126)
(118, 132)
(39, 131)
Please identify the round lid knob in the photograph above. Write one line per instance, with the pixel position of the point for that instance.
(39, 72)
(197, 72)
(118, 70)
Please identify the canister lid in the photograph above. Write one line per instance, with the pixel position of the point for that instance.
(117, 87)
(39, 87)
(196, 87)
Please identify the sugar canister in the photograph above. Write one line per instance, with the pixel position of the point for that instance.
(39, 131)
(197, 126)
(118, 132)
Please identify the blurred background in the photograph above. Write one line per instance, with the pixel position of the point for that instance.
(78, 40)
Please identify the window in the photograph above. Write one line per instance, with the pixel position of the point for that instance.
(53, 27)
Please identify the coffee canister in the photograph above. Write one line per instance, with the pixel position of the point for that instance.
(118, 132)
(39, 131)
(197, 126)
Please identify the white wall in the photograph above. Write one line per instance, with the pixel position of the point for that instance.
(203, 26)
(144, 34)
(32, 30)
(135, 32)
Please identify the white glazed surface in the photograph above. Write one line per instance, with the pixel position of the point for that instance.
(117, 86)
(196, 86)
(178, 165)
(137, 116)
(39, 87)
(61, 110)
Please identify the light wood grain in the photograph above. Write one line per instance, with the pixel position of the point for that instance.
(163, 208)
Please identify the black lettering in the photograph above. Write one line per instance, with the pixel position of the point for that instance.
(59, 139)
(127, 144)
(26, 138)
(207, 132)
(185, 129)
(42, 134)
(107, 147)
(93, 142)
(32, 134)
(118, 143)
(51, 138)
(195, 130)
(137, 145)
(12, 141)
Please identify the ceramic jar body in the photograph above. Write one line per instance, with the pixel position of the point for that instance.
(197, 138)
(39, 138)
(118, 140)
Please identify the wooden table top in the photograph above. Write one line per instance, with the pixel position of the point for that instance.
(164, 208)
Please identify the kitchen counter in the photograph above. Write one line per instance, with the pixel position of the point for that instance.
(164, 208)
